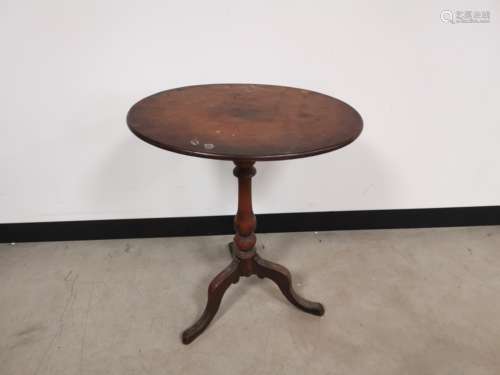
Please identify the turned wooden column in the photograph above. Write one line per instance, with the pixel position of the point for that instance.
(244, 221)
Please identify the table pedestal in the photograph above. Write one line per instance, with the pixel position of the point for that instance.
(246, 261)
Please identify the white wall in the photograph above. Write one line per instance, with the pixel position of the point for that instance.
(69, 71)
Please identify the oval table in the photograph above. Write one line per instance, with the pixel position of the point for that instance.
(245, 123)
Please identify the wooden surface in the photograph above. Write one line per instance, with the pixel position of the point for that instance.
(244, 122)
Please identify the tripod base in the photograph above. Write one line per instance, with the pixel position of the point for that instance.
(247, 263)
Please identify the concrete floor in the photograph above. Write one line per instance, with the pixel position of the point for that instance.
(424, 301)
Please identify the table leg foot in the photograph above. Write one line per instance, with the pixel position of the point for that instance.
(216, 291)
(281, 276)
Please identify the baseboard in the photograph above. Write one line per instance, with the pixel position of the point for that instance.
(266, 223)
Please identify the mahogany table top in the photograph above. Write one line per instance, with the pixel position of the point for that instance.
(244, 122)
